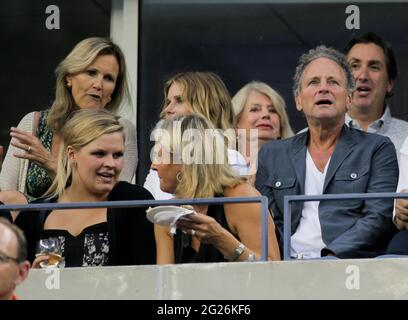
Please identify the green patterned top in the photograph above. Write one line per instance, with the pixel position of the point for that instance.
(38, 179)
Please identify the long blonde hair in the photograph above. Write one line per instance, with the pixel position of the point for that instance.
(207, 95)
(240, 99)
(82, 128)
(194, 133)
(83, 54)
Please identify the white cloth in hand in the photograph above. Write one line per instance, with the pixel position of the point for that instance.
(168, 215)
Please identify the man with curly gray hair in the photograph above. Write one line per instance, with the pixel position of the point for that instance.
(329, 158)
(322, 52)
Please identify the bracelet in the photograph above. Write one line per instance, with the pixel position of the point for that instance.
(251, 257)
(237, 252)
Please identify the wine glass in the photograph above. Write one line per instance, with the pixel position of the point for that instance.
(52, 248)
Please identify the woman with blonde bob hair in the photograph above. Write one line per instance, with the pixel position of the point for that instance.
(260, 117)
(205, 94)
(92, 76)
(89, 165)
(241, 101)
(188, 162)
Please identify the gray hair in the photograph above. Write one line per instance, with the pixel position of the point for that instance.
(322, 52)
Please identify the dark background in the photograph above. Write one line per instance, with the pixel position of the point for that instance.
(29, 52)
(239, 41)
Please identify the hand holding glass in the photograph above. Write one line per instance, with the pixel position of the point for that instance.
(52, 248)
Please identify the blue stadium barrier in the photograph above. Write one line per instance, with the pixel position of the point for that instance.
(287, 218)
(146, 203)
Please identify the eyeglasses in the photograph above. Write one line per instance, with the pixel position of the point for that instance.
(5, 258)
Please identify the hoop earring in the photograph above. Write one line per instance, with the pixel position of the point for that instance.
(178, 176)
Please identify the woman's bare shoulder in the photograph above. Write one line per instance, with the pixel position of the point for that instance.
(241, 190)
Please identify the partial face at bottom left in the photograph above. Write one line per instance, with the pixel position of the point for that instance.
(9, 269)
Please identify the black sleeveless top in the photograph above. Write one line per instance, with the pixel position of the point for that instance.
(184, 253)
(126, 238)
(89, 248)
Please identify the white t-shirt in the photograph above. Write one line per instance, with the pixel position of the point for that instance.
(307, 241)
(152, 182)
(403, 174)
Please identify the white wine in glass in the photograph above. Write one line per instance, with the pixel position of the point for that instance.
(52, 248)
(53, 260)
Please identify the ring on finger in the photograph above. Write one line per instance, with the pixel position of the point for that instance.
(29, 149)
(193, 232)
